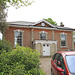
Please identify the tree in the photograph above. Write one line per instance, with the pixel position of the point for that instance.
(20, 61)
(5, 45)
(17, 3)
(51, 21)
(3, 14)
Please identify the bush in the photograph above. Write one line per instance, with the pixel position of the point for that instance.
(20, 61)
(5, 45)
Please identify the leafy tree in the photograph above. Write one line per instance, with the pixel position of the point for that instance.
(51, 21)
(3, 14)
(3, 5)
(5, 45)
(20, 61)
(17, 3)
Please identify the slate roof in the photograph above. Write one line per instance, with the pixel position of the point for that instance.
(32, 24)
(21, 23)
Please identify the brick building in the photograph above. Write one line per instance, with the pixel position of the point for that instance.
(41, 35)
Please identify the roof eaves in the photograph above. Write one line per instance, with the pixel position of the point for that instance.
(32, 27)
(65, 28)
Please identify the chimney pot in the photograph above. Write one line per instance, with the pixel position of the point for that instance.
(61, 24)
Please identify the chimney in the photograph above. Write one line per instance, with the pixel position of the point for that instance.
(61, 24)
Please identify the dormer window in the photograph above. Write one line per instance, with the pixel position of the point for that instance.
(42, 24)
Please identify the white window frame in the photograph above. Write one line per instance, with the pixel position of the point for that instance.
(65, 39)
(14, 36)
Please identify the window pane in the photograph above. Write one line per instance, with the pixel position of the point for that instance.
(71, 63)
(43, 36)
(63, 43)
(18, 38)
(63, 40)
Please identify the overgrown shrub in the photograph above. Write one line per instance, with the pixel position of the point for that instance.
(5, 45)
(20, 61)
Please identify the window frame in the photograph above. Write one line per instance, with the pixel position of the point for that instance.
(21, 36)
(42, 32)
(65, 39)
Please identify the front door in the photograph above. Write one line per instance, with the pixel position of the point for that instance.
(46, 50)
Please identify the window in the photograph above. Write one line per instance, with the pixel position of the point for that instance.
(63, 39)
(1, 36)
(58, 60)
(43, 35)
(43, 24)
(71, 63)
(60, 63)
(18, 38)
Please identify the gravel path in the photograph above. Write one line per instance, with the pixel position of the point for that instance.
(46, 65)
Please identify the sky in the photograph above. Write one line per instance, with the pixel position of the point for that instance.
(58, 10)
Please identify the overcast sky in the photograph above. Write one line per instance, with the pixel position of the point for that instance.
(58, 10)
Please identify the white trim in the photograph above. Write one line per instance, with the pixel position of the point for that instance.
(42, 32)
(44, 42)
(18, 30)
(40, 28)
(45, 22)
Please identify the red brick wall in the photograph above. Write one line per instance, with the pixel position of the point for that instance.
(27, 36)
(69, 39)
(9, 35)
(36, 34)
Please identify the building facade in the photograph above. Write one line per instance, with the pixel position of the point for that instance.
(41, 35)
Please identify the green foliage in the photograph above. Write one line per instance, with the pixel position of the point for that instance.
(74, 33)
(6, 3)
(51, 21)
(17, 3)
(20, 61)
(5, 45)
(3, 15)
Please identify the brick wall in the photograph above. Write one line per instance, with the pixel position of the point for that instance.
(68, 40)
(9, 35)
(37, 31)
(27, 36)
